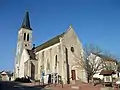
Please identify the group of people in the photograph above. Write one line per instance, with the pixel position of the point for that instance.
(52, 79)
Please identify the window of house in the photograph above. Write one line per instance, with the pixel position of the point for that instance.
(24, 36)
(108, 79)
(27, 37)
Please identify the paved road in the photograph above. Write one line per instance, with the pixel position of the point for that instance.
(5, 85)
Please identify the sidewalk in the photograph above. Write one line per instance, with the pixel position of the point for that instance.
(80, 86)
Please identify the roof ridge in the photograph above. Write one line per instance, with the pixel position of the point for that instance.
(49, 42)
(105, 56)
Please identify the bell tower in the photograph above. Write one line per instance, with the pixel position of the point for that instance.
(25, 33)
(24, 41)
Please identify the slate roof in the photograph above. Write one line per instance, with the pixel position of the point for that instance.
(31, 54)
(26, 22)
(49, 42)
(104, 57)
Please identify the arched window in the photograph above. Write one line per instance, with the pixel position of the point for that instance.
(24, 36)
(55, 61)
(27, 37)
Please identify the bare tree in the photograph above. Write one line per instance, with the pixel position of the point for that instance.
(110, 61)
(93, 60)
(89, 61)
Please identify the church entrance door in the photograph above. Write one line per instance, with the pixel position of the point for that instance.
(73, 74)
(32, 71)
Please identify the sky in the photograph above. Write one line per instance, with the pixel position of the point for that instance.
(94, 21)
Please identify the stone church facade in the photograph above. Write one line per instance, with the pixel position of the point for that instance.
(56, 56)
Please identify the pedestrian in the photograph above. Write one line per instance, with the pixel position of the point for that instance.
(9, 78)
(43, 80)
(56, 79)
(43, 74)
(49, 79)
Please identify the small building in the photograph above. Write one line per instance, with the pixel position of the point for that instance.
(107, 76)
(108, 63)
(6, 76)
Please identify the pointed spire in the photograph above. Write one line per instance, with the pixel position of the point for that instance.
(26, 21)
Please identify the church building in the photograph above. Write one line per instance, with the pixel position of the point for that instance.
(55, 57)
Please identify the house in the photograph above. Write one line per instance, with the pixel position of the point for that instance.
(107, 63)
(54, 57)
(6, 75)
(108, 76)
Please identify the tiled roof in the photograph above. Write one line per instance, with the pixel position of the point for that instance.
(107, 72)
(49, 43)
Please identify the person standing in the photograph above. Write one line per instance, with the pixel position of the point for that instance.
(43, 78)
(49, 79)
